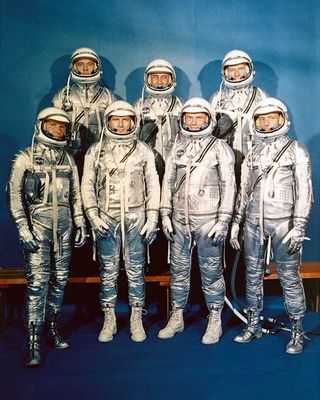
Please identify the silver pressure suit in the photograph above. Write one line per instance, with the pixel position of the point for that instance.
(44, 197)
(235, 129)
(271, 206)
(85, 104)
(160, 124)
(198, 191)
(120, 186)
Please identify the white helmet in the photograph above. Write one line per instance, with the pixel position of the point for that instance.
(266, 106)
(120, 109)
(85, 52)
(198, 105)
(161, 67)
(43, 136)
(236, 57)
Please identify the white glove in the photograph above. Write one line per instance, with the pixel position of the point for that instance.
(27, 239)
(149, 229)
(81, 236)
(234, 236)
(167, 228)
(296, 237)
(218, 232)
(99, 227)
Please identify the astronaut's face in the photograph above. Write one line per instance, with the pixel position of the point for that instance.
(120, 124)
(268, 122)
(195, 121)
(159, 80)
(56, 129)
(236, 73)
(85, 66)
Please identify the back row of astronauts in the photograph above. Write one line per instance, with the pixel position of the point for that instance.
(120, 192)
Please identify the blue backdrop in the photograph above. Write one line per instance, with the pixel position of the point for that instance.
(38, 36)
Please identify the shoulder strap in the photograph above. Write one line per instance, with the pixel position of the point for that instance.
(92, 101)
(276, 159)
(200, 158)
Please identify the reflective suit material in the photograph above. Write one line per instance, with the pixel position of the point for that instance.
(240, 102)
(85, 105)
(160, 122)
(123, 194)
(288, 266)
(134, 257)
(49, 210)
(279, 202)
(195, 203)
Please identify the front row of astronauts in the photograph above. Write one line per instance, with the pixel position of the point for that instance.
(120, 194)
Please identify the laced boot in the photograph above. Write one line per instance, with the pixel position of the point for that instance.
(34, 356)
(137, 331)
(253, 330)
(174, 325)
(109, 326)
(53, 335)
(214, 328)
(296, 344)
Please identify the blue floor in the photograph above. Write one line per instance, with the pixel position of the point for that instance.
(180, 368)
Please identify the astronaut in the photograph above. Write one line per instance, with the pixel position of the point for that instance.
(84, 100)
(121, 195)
(45, 203)
(197, 201)
(274, 204)
(159, 110)
(159, 113)
(236, 97)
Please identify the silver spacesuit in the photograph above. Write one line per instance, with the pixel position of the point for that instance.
(159, 113)
(121, 195)
(274, 203)
(84, 99)
(159, 110)
(45, 202)
(236, 97)
(196, 207)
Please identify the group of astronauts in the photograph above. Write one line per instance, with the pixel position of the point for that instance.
(207, 166)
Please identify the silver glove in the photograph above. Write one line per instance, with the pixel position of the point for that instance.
(218, 232)
(167, 228)
(234, 236)
(27, 239)
(296, 237)
(81, 236)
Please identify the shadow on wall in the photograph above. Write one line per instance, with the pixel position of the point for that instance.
(59, 76)
(135, 80)
(210, 78)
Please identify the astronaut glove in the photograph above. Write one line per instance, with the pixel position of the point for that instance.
(234, 236)
(99, 227)
(149, 230)
(167, 228)
(81, 236)
(27, 239)
(218, 232)
(296, 238)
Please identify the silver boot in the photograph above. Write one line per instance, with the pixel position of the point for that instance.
(109, 326)
(253, 330)
(174, 325)
(137, 331)
(214, 328)
(296, 344)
